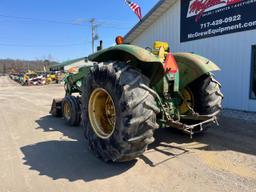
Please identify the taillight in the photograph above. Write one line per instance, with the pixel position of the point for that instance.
(170, 65)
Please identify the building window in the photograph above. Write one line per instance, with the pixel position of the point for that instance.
(253, 74)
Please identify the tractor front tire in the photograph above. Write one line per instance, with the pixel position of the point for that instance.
(71, 110)
(118, 111)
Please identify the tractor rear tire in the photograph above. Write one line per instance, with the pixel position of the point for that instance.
(71, 110)
(207, 96)
(134, 113)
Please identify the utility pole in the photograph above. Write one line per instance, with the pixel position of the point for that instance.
(93, 25)
(28, 66)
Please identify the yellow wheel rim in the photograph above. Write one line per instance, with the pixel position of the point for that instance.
(102, 113)
(67, 111)
(188, 101)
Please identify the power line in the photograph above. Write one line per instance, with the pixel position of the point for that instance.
(105, 23)
(29, 45)
(114, 24)
(38, 20)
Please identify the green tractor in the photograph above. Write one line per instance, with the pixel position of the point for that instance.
(126, 92)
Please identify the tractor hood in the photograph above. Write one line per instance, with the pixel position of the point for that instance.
(138, 52)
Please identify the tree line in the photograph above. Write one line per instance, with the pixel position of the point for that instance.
(18, 66)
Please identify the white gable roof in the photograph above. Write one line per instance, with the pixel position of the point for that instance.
(159, 9)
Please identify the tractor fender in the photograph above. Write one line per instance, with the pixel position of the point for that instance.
(192, 66)
(148, 64)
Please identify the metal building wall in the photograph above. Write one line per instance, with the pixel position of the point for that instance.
(232, 52)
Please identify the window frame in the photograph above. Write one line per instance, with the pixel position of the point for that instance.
(253, 70)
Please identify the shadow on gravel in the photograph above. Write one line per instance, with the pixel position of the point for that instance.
(71, 159)
(235, 135)
(68, 159)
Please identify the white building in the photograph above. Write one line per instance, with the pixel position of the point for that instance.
(210, 29)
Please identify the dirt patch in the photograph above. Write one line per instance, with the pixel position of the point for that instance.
(239, 164)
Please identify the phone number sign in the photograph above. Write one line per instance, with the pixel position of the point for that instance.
(207, 18)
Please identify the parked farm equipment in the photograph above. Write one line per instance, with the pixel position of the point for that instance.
(38, 78)
(126, 92)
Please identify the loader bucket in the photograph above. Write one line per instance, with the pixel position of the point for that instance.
(56, 109)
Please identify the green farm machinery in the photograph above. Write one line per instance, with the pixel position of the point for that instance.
(124, 93)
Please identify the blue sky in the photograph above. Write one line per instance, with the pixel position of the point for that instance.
(26, 33)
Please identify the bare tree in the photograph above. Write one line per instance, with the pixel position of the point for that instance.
(17, 66)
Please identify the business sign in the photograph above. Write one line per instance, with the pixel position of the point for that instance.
(208, 18)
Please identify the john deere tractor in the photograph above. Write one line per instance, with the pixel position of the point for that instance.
(124, 93)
